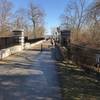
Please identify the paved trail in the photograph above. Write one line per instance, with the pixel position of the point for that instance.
(30, 75)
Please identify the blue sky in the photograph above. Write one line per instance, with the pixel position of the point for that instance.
(52, 8)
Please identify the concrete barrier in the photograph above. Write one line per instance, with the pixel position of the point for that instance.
(40, 42)
(27, 45)
(18, 48)
(8, 51)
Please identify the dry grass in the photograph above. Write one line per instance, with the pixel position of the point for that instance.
(76, 84)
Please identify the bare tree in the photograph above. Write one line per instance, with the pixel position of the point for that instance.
(93, 21)
(75, 15)
(35, 15)
(5, 15)
(20, 18)
(40, 30)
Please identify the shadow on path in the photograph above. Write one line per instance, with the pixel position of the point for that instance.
(30, 79)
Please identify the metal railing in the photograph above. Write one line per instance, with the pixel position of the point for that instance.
(6, 42)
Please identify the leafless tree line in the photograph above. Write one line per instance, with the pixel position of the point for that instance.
(31, 19)
(83, 18)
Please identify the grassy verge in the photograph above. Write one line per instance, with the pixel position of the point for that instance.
(76, 84)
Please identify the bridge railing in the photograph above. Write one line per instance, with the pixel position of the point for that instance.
(6, 42)
(83, 56)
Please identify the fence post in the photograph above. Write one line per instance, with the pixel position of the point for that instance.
(41, 47)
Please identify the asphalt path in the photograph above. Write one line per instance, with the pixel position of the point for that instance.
(30, 75)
